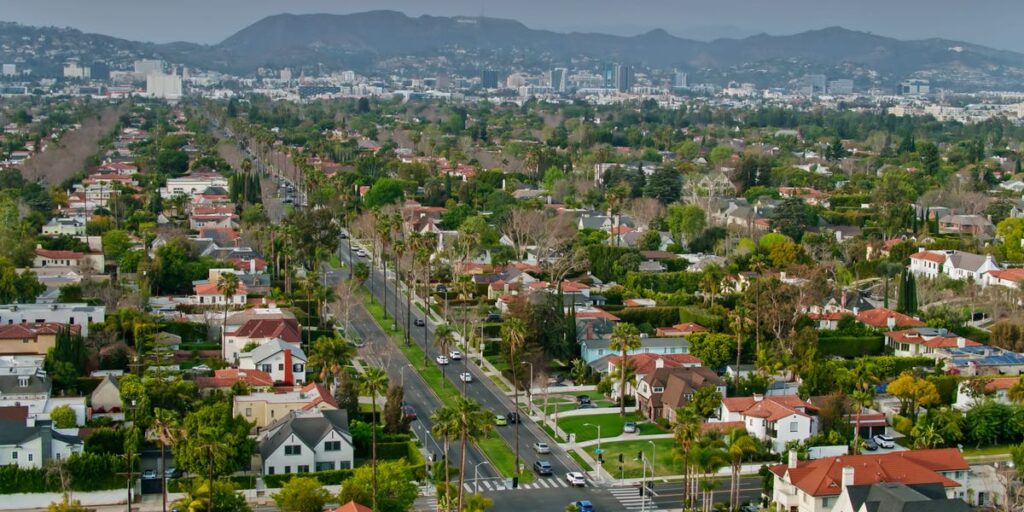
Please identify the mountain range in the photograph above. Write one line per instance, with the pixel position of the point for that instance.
(361, 40)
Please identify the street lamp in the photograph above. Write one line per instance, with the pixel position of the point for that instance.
(654, 456)
(476, 477)
(134, 416)
(598, 427)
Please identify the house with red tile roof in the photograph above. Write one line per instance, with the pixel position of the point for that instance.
(227, 377)
(995, 388)
(45, 258)
(816, 485)
(1010, 278)
(34, 339)
(353, 507)
(883, 318)
(775, 419)
(264, 408)
(207, 293)
(924, 341)
(259, 331)
(679, 330)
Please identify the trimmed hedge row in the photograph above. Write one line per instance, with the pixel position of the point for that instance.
(89, 472)
(663, 282)
(851, 346)
(656, 316)
(330, 477)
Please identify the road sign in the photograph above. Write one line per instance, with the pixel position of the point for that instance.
(598, 451)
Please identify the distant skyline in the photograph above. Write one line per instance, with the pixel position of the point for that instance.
(992, 23)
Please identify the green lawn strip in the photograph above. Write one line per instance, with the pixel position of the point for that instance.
(611, 425)
(502, 458)
(667, 463)
(551, 433)
(1001, 449)
(584, 465)
(648, 429)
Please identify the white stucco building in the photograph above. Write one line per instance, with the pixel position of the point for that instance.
(306, 441)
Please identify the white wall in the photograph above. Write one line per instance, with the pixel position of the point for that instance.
(29, 455)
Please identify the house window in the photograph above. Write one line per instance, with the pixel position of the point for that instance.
(793, 427)
(659, 389)
(248, 411)
(270, 470)
(959, 474)
(293, 449)
(280, 366)
(303, 469)
(267, 368)
(332, 446)
(30, 457)
(827, 502)
(14, 455)
(297, 368)
(287, 469)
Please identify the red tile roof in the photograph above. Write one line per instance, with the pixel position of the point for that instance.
(913, 337)
(930, 256)
(879, 318)
(212, 289)
(771, 408)
(59, 255)
(23, 331)
(823, 477)
(1010, 274)
(353, 507)
(285, 328)
(597, 313)
(227, 377)
(1001, 383)
(646, 363)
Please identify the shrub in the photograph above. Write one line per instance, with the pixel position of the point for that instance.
(850, 346)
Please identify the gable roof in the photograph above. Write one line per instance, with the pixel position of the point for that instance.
(645, 363)
(930, 256)
(353, 507)
(274, 346)
(309, 429)
(227, 377)
(898, 497)
(823, 477)
(285, 328)
(683, 382)
(23, 331)
(771, 408)
(1011, 274)
(59, 255)
(879, 318)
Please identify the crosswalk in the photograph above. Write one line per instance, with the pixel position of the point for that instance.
(630, 499)
(500, 484)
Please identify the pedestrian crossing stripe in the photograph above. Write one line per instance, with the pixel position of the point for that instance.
(499, 485)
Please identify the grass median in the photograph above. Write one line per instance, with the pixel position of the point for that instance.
(494, 447)
(611, 425)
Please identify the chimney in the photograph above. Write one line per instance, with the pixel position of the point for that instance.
(890, 322)
(252, 266)
(961, 342)
(758, 397)
(288, 379)
(793, 459)
(856, 311)
(847, 477)
(659, 363)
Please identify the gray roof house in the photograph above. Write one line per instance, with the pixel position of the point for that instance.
(898, 497)
(304, 441)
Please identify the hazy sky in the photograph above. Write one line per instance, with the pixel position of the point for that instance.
(990, 22)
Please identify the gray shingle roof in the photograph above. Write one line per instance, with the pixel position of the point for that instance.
(309, 429)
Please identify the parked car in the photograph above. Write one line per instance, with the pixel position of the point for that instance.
(541, 448)
(583, 399)
(500, 420)
(361, 253)
(466, 377)
(455, 355)
(170, 473)
(588, 405)
(629, 427)
(870, 445)
(542, 467)
(885, 441)
(512, 417)
(419, 322)
(149, 473)
(343, 235)
(492, 317)
(576, 478)
(584, 506)
(441, 359)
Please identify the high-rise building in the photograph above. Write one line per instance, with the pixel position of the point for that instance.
(623, 77)
(813, 85)
(285, 74)
(159, 85)
(72, 69)
(559, 79)
(147, 66)
(99, 70)
(679, 80)
(10, 70)
(489, 79)
(914, 87)
(841, 86)
(609, 75)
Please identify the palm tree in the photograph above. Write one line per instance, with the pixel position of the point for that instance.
(444, 335)
(708, 457)
(227, 285)
(926, 436)
(445, 425)
(401, 246)
(197, 496)
(686, 428)
(164, 429)
(625, 337)
(513, 334)
(330, 354)
(374, 383)
(740, 445)
(864, 380)
(473, 422)
(1016, 392)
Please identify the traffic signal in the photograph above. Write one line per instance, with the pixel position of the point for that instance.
(621, 458)
(641, 490)
(600, 458)
(515, 482)
(640, 455)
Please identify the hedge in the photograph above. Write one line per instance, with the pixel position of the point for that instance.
(946, 386)
(663, 282)
(329, 477)
(699, 315)
(89, 472)
(656, 316)
(189, 331)
(851, 346)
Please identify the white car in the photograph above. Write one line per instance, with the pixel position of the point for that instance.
(455, 355)
(885, 441)
(361, 253)
(541, 448)
(442, 359)
(466, 377)
(576, 478)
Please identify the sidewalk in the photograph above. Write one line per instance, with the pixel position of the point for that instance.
(622, 437)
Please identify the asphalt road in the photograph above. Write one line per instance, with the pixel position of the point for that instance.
(481, 389)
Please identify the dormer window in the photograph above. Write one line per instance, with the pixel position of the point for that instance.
(23, 381)
(659, 389)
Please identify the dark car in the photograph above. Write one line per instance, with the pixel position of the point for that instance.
(513, 417)
(493, 317)
(543, 467)
(408, 412)
(584, 506)
(419, 322)
(583, 399)
(343, 235)
(870, 445)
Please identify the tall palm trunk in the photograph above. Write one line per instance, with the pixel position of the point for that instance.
(373, 433)
(462, 467)
(384, 262)
(515, 410)
(622, 384)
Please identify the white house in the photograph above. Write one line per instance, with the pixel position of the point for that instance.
(924, 341)
(996, 388)
(817, 485)
(265, 408)
(207, 292)
(64, 313)
(193, 184)
(955, 264)
(45, 258)
(259, 331)
(1010, 278)
(284, 362)
(305, 441)
(70, 226)
(777, 419)
(28, 444)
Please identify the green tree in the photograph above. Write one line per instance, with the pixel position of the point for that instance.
(394, 420)
(1011, 232)
(739, 446)
(792, 218)
(228, 285)
(374, 383)
(395, 489)
(892, 199)
(226, 497)
(445, 424)
(719, 154)
(685, 221)
(63, 417)
(385, 191)
(513, 337)
(347, 395)
(907, 299)
(302, 494)
(686, 428)
(473, 423)
(930, 159)
(913, 393)
(664, 184)
(329, 355)
(715, 350)
(705, 401)
(625, 338)
(214, 441)
(116, 244)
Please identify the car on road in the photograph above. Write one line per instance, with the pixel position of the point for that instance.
(466, 377)
(629, 427)
(343, 235)
(870, 445)
(149, 473)
(583, 399)
(500, 420)
(441, 359)
(419, 322)
(455, 355)
(170, 473)
(576, 478)
(542, 467)
(541, 448)
(361, 253)
(750, 508)
(588, 405)
(885, 441)
(584, 506)
(512, 417)
(493, 317)
(408, 412)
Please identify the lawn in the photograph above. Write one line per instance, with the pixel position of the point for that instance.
(999, 449)
(579, 460)
(502, 457)
(611, 425)
(666, 464)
